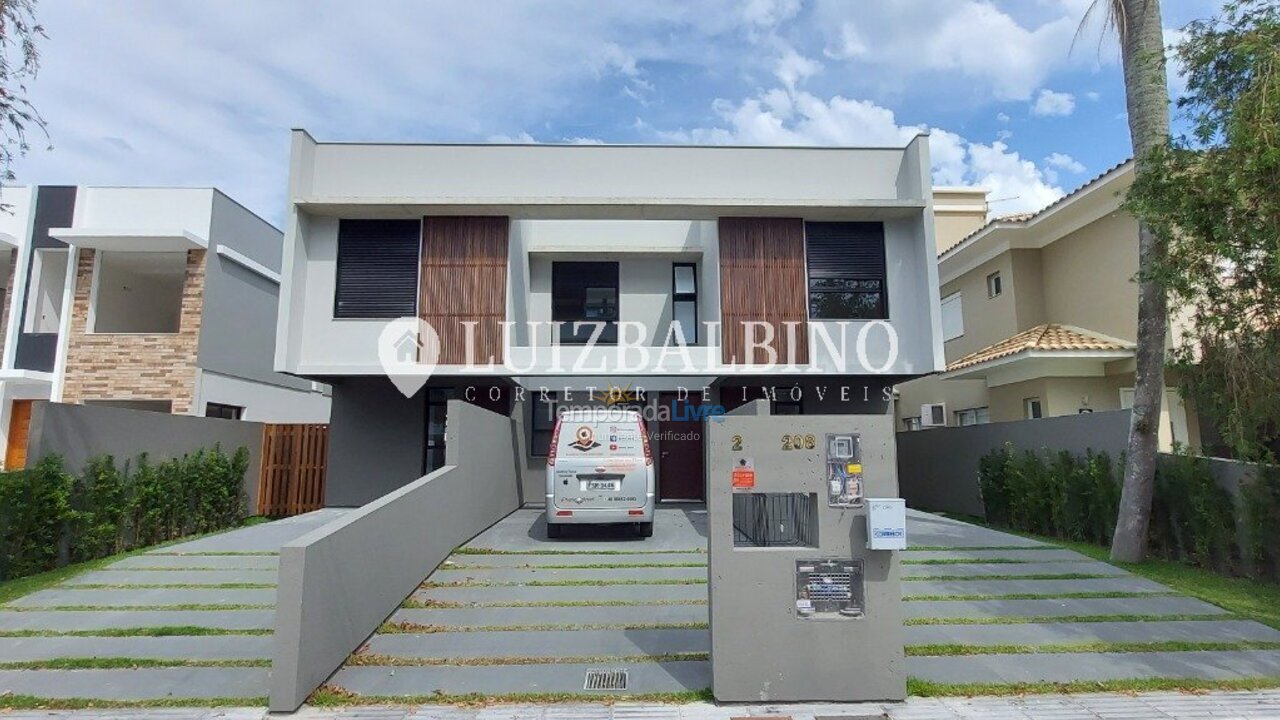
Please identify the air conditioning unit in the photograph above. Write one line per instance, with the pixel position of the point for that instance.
(933, 415)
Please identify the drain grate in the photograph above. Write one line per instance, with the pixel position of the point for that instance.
(605, 680)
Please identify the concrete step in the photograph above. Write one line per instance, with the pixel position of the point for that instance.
(138, 684)
(68, 621)
(505, 679)
(602, 575)
(980, 587)
(212, 647)
(1031, 555)
(531, 560)
(548, 644)
(1072, 667)
(174, 577)
(1058, 607)
(977, 570)
(1069, 633)
(201, 562)
(69, 596)
(569, 593)
(542, 616)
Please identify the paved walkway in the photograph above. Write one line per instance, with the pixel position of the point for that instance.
(203, 608)
(1154, 706)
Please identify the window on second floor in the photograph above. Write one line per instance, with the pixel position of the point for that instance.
(138, 292)
(846, 271)
(952, 317)
(684, 302)
(586, 294)
(377, 271)
(994, 285)
(973, 416)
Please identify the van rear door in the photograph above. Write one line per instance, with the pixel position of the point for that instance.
(600, 464)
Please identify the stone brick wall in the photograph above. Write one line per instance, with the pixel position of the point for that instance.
(134, 367)
(8, 297)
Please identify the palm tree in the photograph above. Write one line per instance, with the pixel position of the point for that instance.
(1138, 26)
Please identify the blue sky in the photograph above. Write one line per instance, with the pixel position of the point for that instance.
(192, 92)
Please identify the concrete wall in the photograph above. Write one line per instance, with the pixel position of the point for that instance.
(262, 402)
(376, 440)
(761, 650)
(938, 469)
(340, 582)
(80, 432)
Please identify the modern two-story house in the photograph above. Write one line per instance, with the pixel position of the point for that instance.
(663, 278)
(1039, 318)
(158, 299)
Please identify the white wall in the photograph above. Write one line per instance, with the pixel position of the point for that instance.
(134, 208)
(261, 402)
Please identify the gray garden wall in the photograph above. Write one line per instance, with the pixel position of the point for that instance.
(938, 468)
(340, 582)
(80, 432)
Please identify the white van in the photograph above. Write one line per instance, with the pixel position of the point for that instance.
(600, 470)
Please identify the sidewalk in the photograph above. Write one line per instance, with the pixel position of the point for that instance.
(1258, 705)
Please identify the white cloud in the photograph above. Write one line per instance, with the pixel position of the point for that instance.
(793, 68)
(806, 119)
(1093, 96)
(1053, 104)
(850, 44)
(768, 13)
(1003, 117)
(1062, 161)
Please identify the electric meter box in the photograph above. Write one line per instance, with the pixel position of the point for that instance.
(886, 524)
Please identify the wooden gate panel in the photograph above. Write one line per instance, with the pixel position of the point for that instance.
(294, 463)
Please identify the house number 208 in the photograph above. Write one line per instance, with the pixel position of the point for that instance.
(799, 442)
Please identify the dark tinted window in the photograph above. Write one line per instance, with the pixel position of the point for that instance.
(846, 268)
(587, 293)
(377, 269)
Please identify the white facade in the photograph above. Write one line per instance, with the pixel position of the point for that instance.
(644, 207)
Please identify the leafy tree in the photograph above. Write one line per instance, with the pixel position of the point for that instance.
(1137, 24)
(19, 62)
(1215, 194)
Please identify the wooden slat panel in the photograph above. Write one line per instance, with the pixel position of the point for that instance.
(294, 466)
(464, 280)
(762, 279)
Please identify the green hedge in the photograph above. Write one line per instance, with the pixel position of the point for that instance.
(1193, 518)
(49, 518)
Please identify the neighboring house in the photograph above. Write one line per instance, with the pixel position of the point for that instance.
(1039, 319)
(464, 236)
(157, 299)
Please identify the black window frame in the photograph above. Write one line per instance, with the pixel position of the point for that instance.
(579, 277)
(538, 435)
(353, 233)
(224, 411)
(679, 297)
(848, 253)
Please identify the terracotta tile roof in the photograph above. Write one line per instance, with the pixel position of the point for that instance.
(1025, 217)
(1051, 337)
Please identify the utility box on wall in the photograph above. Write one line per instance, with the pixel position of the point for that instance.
(802, 608)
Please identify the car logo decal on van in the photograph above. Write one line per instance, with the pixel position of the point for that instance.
(585, 439)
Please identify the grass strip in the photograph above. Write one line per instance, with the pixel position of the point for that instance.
(33, 702)
(230, 553)
(953, 548)
(159, 631)
(18, 587)
(377, 660)
(490, 551)
(562, 583)
(1172, 646)
(1039, 576)
(412, 628)
(1038, 596)
(1253, 599)
(992, 561)
(197, 569)
(336, 696)
(184, 586)
(1037, 619)
(590, 566)
(126, 663)
(928, 688)
(431, 604)
(113, 608)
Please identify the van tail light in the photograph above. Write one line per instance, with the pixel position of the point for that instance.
(555, 442)
(644, 439)
(635, 512)
(564, 513)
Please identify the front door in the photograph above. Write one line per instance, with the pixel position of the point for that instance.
(15, 457)
(437, 410)
(680, 459)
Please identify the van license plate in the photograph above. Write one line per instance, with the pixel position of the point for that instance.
(606, 485)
